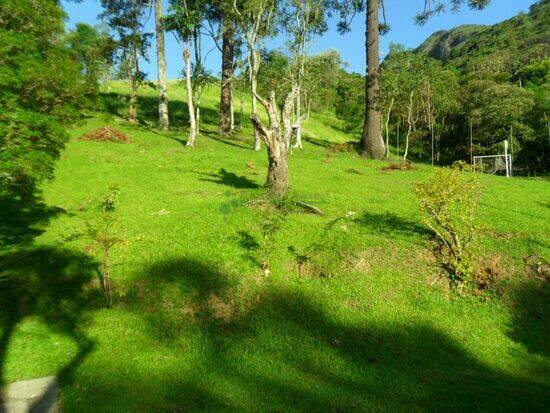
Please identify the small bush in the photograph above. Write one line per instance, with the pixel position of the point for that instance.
(449, 200)
(323, 258)
(461, 165)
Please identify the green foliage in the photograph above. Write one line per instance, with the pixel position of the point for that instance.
(324, 257)
(127, 20)
(493, 109)
(40, 90)
(93, 49)
(274, 75)
(350, 100)
(449, 200)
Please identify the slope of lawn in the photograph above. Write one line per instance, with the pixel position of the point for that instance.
(197, 325)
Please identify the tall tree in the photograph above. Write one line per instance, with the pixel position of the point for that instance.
(371, 141)
(127, 19)
(255, 20)
(161, 67)
(184, 21)
(302, 20)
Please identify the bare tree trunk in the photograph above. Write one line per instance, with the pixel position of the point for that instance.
(198, 111)
(410, 125)
(277, 140)
(387, 127)
(134, 85)
(298, 120)
(226, 122)
(372, 144)
(132, 110)
(253, 65)
(232, 112)
(161, 67)
(189, 86)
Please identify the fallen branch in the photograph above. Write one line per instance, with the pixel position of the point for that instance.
(310, 207)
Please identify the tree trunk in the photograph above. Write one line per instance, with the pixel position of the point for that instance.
(132, 110)
(253, 65)
(277, 139)
(189, 86)
(161, 67)
(277, 172)
(298, 120)
(198, 114)
(372, 144)
(409, 124)
(387, 127)
(225, 126)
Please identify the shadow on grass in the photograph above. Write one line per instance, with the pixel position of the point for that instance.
(227, 141)
(48, 283)
(53, 285)
(22, 218)
(392, 224)
(117, 104)
(531, 316)
(284, 350)
(231, 179)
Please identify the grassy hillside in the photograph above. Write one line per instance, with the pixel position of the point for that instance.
(198, 326)
(520, 38)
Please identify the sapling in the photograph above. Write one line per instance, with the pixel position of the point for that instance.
(449, 200)
(104, 230)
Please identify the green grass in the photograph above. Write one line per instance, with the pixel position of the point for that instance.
(196, 324)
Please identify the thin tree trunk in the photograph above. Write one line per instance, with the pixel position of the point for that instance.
(226, 122)
(161, 67)
(198, 111)
(132, 110)
(189, 86)
(387, 127)
(410, 125)
(232, 112)
(372, 144)
(298, 119)
(253, 67)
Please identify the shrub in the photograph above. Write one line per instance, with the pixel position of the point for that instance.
(104, 230)
(449, 200)
(461, 165)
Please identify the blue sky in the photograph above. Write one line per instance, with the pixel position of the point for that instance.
(400, 15)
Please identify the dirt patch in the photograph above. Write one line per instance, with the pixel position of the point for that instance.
(490, 271)
(105, 134)
(398, 166)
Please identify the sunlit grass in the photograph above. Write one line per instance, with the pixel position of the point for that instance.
(197, 326)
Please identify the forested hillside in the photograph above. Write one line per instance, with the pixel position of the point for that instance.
(502, 48)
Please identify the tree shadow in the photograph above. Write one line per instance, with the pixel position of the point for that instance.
(48, 283)
(391, 224)
(53, 285)
(22, 218)
(178, 112)
(231, 142)
(231, 179)
(285, 350)
(530, 323)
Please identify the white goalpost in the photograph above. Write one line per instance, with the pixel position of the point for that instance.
(493, 164)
